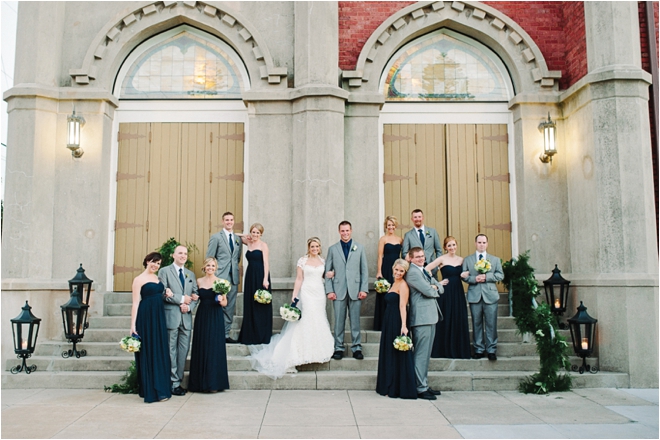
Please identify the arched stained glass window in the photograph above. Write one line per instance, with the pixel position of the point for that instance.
(184, 64)
(446, 66)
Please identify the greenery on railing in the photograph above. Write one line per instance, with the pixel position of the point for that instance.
(167, 249)
(538, 320)
(129, 383)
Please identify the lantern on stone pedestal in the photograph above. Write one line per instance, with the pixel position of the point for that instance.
(74, 316)
(83, 285)
(583, 334)
(25, 329)
(556, 295)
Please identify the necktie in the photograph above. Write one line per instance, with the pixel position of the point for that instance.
(181, 278)
(481, 256)
(231, 243)
(345, 247)
(421, 236)
(426, 275)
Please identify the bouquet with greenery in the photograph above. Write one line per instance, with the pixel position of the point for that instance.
(482, 265)
(403, 343)
(382, 285)
(131, 343)
(263, 296)
(221, 286)
(289, 312)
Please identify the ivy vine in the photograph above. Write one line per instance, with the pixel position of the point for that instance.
(166, 250)
(538, 320)
(128, 385)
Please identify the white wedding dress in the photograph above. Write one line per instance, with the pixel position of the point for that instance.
(305, 341)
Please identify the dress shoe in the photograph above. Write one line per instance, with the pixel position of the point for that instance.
(358, 355)
(338, 355)
(492, 357)
(231, 341)
(477, 355)
(178, 391)
(426, 395)
(434, 392)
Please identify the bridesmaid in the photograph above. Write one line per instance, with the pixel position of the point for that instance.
(257, 326)
(152, 362)
(389, 250)
(208, 361)
(452, 334)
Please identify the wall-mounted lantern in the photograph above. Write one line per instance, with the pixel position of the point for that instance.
(549, 130)
(73, 124)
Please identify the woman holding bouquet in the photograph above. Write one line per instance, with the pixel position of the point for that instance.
(208, 361)
(152, 362)
(389, 250)
(257, 324)
(309, 339)
(396, 370)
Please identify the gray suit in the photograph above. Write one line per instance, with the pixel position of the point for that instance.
(228, 262)
(432, 247)
(424, 314)
(179, 325)
(483, 299)
(351, 277)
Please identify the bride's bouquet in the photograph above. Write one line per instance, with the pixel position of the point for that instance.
(382, 285)
(289, 312)
(130, 344)
(403, 343)
(482, 266)
(221, 286)
(263, 296)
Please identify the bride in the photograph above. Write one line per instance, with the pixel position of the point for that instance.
(307, 340)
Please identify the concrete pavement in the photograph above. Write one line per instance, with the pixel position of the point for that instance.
(582, 413)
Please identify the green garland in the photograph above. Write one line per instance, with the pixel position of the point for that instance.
(129, 383)
(538, 320)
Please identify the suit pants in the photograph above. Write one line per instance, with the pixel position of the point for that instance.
(423, 336)
(230, 309)
(353, 306)
(484, 320)
(179, 346)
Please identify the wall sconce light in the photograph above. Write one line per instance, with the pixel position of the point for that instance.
(73, 124)
(549, 130)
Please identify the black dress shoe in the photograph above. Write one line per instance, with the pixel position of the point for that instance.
(338, 355)
(426, 395)
(358, 355)
(231, 341)
(477, 355)
(434, 392)
(492, 357)
(178, 391)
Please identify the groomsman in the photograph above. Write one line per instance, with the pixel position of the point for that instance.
(424, 314)
(226, 248)
(483, 297)
(347, 287)
(181, 299)
(424, 237)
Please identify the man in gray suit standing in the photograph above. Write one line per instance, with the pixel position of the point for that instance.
(424, 314)
(226, 248)
(347, 287)
(424, 237)
(180, 300)
(483, 296)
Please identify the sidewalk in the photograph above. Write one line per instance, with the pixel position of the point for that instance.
(582, 413)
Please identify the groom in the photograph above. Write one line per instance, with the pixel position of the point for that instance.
(424, 237)
(347, 288)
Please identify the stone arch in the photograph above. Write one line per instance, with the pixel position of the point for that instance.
(114, 42)
(524, 60)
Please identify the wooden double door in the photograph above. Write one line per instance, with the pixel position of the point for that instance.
(458, 174)
(174, 180)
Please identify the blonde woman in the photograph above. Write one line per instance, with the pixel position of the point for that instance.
(208, 360)
(389, 250)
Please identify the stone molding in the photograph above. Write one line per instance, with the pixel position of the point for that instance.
(126, 31)
(60, 93)
(491, 27)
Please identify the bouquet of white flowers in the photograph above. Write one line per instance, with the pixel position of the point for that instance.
(221, 286)
(289, 312)
(263, 296)
(130, 344)
(482, 265)
(403, 343)
(382, 285)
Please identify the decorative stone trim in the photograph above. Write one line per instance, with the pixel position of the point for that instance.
(484, 19)
(102, 45)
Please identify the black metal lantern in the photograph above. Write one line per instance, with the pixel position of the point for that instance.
(583, 332)
(556, 294)
(25, 329)
(83, 285)
(74, 315)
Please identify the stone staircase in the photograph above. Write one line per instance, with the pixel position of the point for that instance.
(106, 363)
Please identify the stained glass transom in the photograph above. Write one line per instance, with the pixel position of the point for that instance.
(184, 66)
(445, 66)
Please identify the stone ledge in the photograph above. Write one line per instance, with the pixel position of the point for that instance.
(606, 279)
(59, 93)
(614, 74)
(14, 284)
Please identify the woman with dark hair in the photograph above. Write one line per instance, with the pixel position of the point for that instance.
(152, 362)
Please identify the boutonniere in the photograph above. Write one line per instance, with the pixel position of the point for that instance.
(427, 233)
(187, 276)
(238, 243)
(354, 248)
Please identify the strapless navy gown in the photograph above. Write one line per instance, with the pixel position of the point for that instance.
(452, 335)
(396, 369)
(208, 361)
(391, 252)
(153, 360)
(257, 326)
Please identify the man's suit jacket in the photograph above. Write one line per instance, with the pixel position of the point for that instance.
(169, 276)
(432, 247)
(424, 307)
(351, 275)
(228, 261)
(488, 290)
